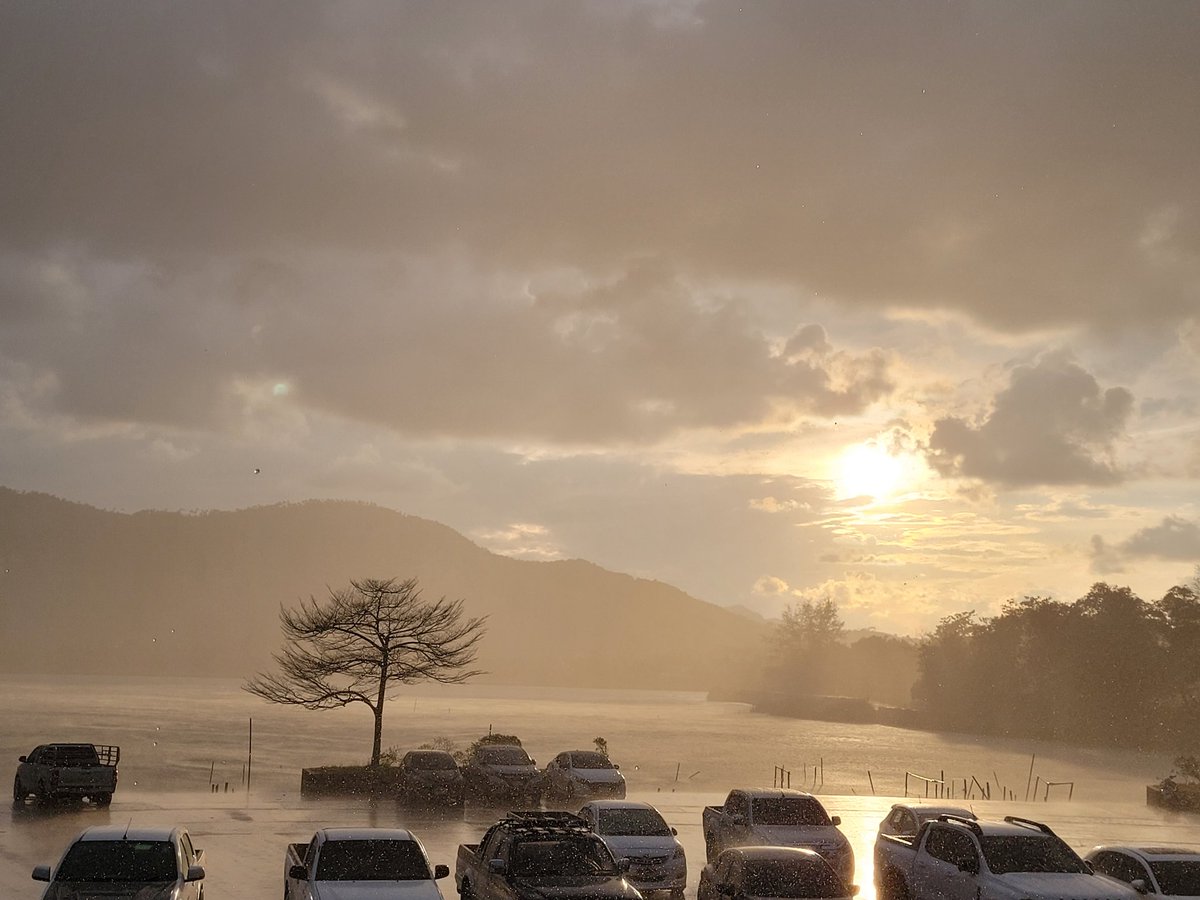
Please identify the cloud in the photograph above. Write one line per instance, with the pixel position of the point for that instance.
(1053, 424)
(925, 157)
(1174, 539)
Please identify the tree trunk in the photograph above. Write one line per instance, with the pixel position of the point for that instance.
(375, 748)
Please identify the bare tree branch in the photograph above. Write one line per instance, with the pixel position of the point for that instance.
(362, 641)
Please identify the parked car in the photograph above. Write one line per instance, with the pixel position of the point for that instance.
(430, 776)
(1166, 871)
(53, 772)
(894, 844)
(541, 856)
(776, 818)
(502, 771)
(583, 773)
(956, 858)
(126, 862)
(743, 873)
(637, 832)
(360, 864)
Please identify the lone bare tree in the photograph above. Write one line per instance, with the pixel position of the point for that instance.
(362, 641)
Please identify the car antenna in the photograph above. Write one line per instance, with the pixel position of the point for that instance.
(128, 825)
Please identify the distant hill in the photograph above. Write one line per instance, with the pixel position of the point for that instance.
(85, 591)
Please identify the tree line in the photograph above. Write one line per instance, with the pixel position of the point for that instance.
(1106, 669)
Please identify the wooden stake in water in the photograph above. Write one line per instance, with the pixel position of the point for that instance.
(249, 754)
(1029, 780)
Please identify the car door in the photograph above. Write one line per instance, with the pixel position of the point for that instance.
(948, 868)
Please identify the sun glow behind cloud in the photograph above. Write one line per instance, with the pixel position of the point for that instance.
(870, 470)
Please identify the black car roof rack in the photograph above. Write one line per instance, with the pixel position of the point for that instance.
(961, 820)
(1029, 823)
(545, 822)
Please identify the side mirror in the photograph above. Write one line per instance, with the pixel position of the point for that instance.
(22, 759)
(674, 830)
(299, 872)
(41, 873)
(852, 889)
(497, 867)
(440, 871)
(194, 873)
(1139, 885)
(615, 766)
(836, 820)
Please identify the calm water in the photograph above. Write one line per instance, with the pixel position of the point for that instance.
(175, 732)
(677, 751)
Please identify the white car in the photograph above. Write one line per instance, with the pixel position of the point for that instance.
(123, 862)
(1165, 871)
(779, 873)
(637, 832)
(583, 773)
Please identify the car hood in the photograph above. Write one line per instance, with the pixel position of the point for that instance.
(818, 837)
(510, 770)
(630, 845)
(580, 887)
(109, 890)
(597, 776)
(1063, 886)
(376, 890)
(436, 776)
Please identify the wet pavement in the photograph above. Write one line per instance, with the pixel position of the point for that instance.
(245, 837)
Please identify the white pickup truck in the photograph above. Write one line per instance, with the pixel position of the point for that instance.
(361, 864)
(959, 858)
(775, 818)
(896, 841)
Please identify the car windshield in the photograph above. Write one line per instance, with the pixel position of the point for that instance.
(437, 761)
(588, 760)
(789, 811)
(562, 856)
(119, 861)
(504, 756)
(371, 860)
(791, 878)
(1021, 853)
(632, 823)
(67, 755)
(1178, 877)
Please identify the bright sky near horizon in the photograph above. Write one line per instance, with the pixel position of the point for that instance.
(894, 304)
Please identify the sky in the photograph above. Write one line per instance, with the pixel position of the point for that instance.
(893, 304)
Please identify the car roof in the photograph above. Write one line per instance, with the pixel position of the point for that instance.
(992, 828)
(619, 804)
(932, 810)
(129, 833)
(770, 794)
(773, 852)
(367, 834)
(1150, 854)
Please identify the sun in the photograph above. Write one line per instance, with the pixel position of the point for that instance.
(869, 470)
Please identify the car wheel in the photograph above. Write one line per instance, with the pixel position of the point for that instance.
(103, 799)
(18, 794)
(465, 891)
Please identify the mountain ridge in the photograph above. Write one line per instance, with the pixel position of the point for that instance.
(85, 590)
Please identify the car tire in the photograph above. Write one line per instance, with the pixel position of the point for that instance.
(465, 891)
(103, 800)
(18, 794)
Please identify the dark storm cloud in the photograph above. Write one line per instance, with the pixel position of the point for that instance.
(1053, 424)
(1027, 165)
(1175, 539)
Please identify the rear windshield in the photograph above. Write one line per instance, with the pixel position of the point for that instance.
(431, 761)
(632, 823)
(1019, 853)
(789, 811)
(504, 756)
(588, 760)
(125, 861)
(791, 878)
(371, 861)
(1178, 877)
(73, 756)
(562, 856)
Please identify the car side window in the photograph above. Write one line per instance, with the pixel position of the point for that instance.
(736, 805)
(907, 824)
(1122, 866)
(951, 846)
